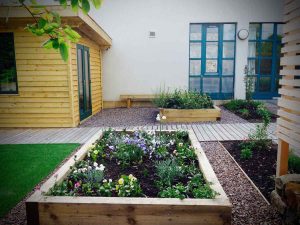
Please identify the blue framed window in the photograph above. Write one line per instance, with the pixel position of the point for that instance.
(8, 71)
(212, 59)
(264, 58)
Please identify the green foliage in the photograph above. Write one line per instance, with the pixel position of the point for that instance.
(180, 99)
(246, 153)
(128, 154)
(244, 112)
(294, 163)
(128, 186)
(106, 189)
(161, 152)
(48, 23)
(203, 192)
(176, 191)
(168, 171)
(259, 138)
(185, 153)
(249, 85)
(265, 114)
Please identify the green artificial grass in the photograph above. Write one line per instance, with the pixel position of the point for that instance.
(23, 166)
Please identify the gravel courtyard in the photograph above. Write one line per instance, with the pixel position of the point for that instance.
(141, 117)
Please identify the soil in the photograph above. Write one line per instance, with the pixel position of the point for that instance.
(261, 168)
(254, 118)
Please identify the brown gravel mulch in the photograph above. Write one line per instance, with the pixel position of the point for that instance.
(261, 168)
(249, 208)
(120, 117)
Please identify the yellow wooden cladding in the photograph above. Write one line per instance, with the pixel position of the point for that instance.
(288, 125)
(47, 86)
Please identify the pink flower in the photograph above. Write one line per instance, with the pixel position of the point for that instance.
(77, 185)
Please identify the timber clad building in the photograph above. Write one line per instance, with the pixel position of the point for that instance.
(39, 89)
(200, 45)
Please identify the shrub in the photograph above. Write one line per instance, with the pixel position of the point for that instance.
(294, 163)
(168, 171)
(203, 192)
(180, 99)
(246, 153)
(265, 114)
(244, 112)
(259, 138)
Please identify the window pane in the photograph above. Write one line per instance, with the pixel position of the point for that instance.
(279, 31)
(253, 49)
(212, 33)
(227, 85)
(228, 49)
(229, 32)
(211, 85)
(195, 67)
(254, 31)
(196, 32)
(228, 67)
(211, 66)
(252, 66)
(195, 50)
(267, 31)
(266, 66)
(266, 48)
(8, 72)
(265, 84)
(212, 50)
(195, 84)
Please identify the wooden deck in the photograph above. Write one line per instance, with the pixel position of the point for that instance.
(204, 132)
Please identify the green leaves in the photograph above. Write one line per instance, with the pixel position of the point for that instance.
(71, 34)
(74, 4)
(64, 51)
(97, 3)
(85, 6)
(49, 23)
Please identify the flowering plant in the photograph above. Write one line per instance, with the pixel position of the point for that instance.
(128, 186)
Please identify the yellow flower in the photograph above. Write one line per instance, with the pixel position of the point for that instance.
(130, 176)
(121, 181)
(117, 187)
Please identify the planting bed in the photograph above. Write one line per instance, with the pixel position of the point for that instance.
(128, 178)
(190, 115)
(261, 168)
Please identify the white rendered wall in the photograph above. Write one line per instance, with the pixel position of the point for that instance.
(137, 64)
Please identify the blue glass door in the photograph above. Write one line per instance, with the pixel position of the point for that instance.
(212, 59)
(264, 58)
(84, 81)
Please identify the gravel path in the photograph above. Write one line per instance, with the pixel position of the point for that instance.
(249, 208)
(142, 117)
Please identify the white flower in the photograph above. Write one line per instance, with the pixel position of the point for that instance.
(101, 167)
(75, 171)
(89, 167)
(158, 117)
(84, 170)
(110, 180)
(164, 117)
(104, 181)
(180, 144)
(89, 154)
(79, 170)
(95, 164)
(97, 168)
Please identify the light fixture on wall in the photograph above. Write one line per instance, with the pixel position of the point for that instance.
(243, 34)
(152, 34)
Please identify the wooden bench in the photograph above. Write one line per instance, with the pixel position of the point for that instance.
(142, 98)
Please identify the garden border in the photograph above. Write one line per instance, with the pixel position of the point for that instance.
(43, 209)
(248, 178)
(190, 115)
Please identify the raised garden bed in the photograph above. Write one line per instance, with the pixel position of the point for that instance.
(200, 202)
(190, 115)
(260, 168)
